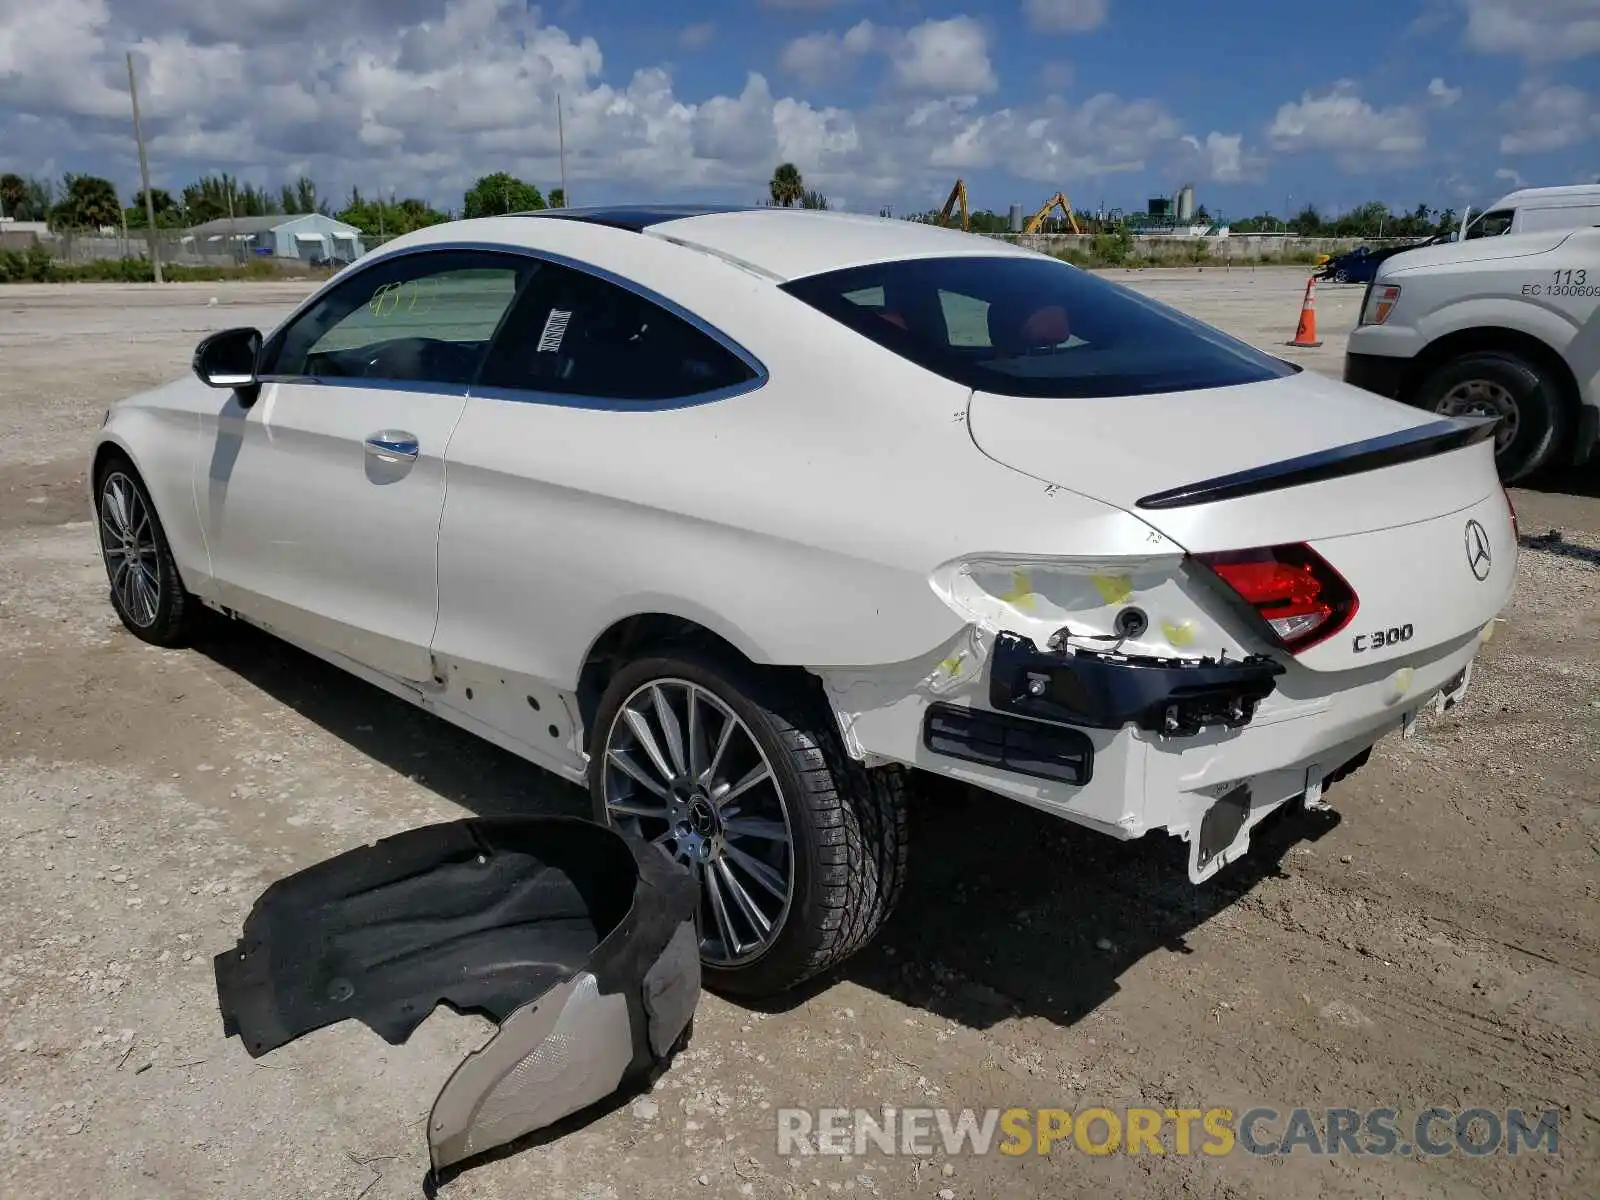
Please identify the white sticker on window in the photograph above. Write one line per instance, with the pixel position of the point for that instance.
(555, 328)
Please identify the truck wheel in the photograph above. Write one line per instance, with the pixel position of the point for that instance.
(1501, 384)
(738, 774)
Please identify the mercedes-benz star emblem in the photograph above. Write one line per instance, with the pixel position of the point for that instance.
(1478, 556)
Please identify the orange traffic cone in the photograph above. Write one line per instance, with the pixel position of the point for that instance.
(1305, 333)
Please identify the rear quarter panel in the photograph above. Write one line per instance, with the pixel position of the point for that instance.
(800, 520)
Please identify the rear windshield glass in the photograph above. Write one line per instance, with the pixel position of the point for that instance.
(1032, 327)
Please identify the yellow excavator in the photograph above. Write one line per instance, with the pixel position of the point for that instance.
(959, 192)
(1058, 200)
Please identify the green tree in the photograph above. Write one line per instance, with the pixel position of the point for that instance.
(306, 199)
(208, 199)
(288, 200)
(558, 198)
(787, 188)
(1307, 222)
(168, 214)
(500, 193)
(813, 199)
(14, 196)
(87, 202)
(377, 218)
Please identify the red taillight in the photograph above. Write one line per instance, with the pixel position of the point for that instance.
(1301, 598)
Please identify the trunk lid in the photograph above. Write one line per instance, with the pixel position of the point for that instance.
(1386, 494)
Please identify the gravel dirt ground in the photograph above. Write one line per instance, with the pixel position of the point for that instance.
(1435, 941)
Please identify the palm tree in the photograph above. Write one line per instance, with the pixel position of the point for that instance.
(787, 188)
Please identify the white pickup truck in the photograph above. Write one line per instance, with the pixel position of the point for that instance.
(1503, 326)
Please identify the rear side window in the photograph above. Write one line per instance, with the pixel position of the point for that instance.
(1032, 327)
(577, 334)
(1573, 216)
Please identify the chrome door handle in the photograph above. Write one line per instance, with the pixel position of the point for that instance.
(392, 443)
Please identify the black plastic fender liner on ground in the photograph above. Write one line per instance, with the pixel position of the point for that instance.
(579, 942)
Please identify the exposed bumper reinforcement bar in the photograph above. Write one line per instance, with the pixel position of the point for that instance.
(1176, 697)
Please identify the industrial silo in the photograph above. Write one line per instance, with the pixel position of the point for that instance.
(1014, 224)
(1185, 203)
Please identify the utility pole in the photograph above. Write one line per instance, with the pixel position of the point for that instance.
(561, 137)
(144, 174)
(233, 232)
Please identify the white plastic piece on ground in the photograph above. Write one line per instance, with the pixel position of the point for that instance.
(560, 1053)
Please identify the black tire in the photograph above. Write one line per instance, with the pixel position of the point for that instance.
(171, 619)
(847, 824)
(1341, 276)
(1540, 411)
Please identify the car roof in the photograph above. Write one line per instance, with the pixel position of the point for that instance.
(779, 243)
(1573, 192)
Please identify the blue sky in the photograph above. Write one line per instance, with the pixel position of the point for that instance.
(1443, 101)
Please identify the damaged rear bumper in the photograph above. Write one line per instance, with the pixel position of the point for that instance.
(578, 942)
(1129, 745)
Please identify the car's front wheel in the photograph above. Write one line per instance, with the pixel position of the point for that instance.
(1504, 385)
(799, 851)
(146, 590)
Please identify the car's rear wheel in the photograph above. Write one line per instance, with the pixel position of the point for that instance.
(800, 852)
(1501, 384)
(146, 590)
(1341, 276)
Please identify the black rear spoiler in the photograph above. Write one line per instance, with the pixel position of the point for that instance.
(1407, 445)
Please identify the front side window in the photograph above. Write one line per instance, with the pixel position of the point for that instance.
(1491, 224)
(576, 334)
(419, 318)
(1025, 326)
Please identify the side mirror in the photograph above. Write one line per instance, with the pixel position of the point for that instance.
(227, 359)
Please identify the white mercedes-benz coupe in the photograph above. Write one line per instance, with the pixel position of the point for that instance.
(737, 514)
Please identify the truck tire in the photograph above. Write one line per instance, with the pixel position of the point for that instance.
(1500, 383)
(818, 843)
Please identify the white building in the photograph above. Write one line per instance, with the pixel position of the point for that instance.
(304, 236)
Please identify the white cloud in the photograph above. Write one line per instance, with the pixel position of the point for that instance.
(1065, 16)
(1537, 30)
(1512, 177)
(1223, 158)
(1545, 117)
(803, 5)
(449, 90)
(949, 57)
(1340, 122)
(1442, 93)
(692, 37)
(818, 58)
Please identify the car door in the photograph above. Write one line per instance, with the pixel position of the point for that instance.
(321, 498)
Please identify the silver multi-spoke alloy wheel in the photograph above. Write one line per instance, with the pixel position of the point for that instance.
(1483, 398)
(128, 540)
(682, 770)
